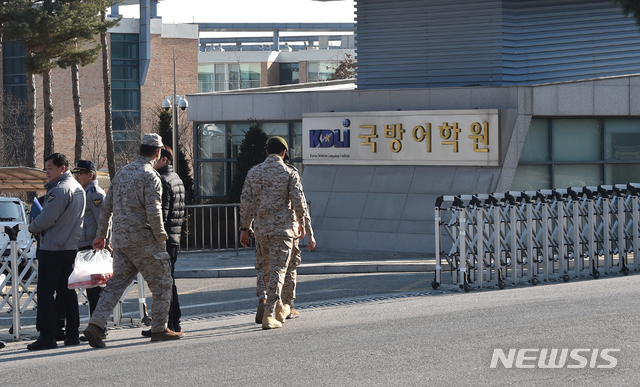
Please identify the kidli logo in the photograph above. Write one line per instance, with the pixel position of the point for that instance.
(323, 138)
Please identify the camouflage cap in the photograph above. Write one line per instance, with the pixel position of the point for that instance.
(278, 139)
(152, 139)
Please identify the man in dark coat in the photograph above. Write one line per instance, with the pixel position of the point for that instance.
(173, 212)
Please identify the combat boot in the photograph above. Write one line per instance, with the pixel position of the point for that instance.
(282, 311)
(260, 311)
(293, 314)
(167, 334)
(269, 321)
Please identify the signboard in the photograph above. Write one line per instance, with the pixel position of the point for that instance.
(429, 137)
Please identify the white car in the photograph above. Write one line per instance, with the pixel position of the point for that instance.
(12, 212)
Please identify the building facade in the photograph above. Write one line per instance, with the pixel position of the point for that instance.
(557, 80)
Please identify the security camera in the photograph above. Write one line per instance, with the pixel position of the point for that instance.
(166, 104)
(183, 104)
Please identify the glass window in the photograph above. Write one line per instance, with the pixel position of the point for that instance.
(124, 46)
(577, 139)
(589, 151)
(296, 142)
(276, 129)
(622, 173)
(10, 212)
(536, 145)
(211, 141)
(206, 78)
(578, 175)
(320, 71)
(126, 99)
(238, 131)
(218, 146)
(531, 178)
(234, 76)
(211, 179)
(125, 95)
(289, 73)
(623, 139)
(220, 80)
(14, 73)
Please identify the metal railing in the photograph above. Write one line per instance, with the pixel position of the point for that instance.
(211, 227)
(215, 227)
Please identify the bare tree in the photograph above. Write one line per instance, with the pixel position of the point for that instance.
(95, 148)
(15, 135)
(128, 143)
(346, 68)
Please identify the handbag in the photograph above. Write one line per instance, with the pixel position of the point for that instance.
(91, 268)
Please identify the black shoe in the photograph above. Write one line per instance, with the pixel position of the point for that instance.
(146, 333)
(60, 336)
(2, 344)
(73, 341)
(93, 334)
(42, 344)
(177, 327)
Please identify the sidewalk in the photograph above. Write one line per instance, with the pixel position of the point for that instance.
(216, 264)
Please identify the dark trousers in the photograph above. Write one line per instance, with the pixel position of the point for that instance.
(54, 268)
(174, 309)
(93, 295)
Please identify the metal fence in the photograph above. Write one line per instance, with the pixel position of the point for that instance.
(532, 236)
(211, 227)
(215, 227)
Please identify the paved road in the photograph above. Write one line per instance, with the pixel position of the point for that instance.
(237, 295)
(403, 338)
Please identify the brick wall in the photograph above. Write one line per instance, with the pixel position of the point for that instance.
(158, 84)
(302, 67)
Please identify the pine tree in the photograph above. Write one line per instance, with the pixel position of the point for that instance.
(165, 131)
(252, 152)
(86, 22)
(50, 31)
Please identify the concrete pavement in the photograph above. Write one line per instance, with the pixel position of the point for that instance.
(215, 264)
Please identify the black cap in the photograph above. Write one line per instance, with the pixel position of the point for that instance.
(84, 166)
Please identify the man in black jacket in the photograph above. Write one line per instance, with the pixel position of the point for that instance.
(173, 211)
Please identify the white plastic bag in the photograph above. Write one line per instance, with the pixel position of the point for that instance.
(91, 268)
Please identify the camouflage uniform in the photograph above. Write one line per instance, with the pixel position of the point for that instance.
(289, 286)
(272, 199)
(135, 202)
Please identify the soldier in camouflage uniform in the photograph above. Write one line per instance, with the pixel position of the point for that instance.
(289, 286)
(272, 199)
(134, 200)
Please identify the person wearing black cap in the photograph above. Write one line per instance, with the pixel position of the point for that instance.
(86, 174)
(271, 200)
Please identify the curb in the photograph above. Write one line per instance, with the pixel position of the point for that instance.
(316, 268)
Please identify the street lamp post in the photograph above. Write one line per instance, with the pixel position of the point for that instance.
(174, 102)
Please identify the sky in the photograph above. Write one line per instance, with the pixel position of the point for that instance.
(250, 11)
